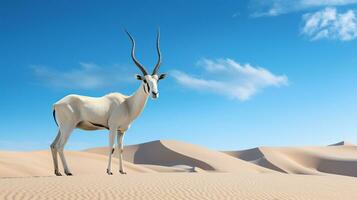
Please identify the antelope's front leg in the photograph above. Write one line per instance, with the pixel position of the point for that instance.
(111, 151)
(120, 148)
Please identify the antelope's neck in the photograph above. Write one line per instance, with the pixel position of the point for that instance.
(137, 102)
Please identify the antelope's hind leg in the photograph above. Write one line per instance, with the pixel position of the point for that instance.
(66, 132)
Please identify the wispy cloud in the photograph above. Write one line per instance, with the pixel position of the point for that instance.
(229, 78)
(278, 7)
(236, 14)
(85, 76)
(329, 24)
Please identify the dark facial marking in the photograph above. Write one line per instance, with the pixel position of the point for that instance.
(147, 84)
(145, 89)
(148, 87)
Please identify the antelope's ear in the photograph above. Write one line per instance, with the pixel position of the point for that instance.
(139, 77)
(162, 76)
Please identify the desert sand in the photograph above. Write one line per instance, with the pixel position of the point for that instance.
(177, 170)
(339, 158)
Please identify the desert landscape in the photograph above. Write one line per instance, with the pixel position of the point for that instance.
(186, 100)
(169, 169)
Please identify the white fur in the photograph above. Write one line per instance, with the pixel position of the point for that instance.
(115, 111)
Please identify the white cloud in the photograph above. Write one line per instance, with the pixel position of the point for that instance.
(231, 79)
(277, 7)
(86, 76)
(330, 24)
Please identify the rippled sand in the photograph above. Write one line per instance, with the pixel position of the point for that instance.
(182, 186)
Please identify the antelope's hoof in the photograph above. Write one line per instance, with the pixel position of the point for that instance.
(122, 172)
(57, 173)
(109, 172)
(68, 173)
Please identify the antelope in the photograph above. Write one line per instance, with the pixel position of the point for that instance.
(114, 112)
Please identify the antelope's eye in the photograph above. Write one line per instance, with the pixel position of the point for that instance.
(145, 81)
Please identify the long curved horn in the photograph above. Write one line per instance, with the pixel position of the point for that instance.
(156, 69)
(142, 69)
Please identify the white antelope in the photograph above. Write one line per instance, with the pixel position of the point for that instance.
(113, 111)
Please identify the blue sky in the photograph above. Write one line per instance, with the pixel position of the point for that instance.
(240, 73)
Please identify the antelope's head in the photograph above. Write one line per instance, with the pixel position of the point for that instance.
(150, 82)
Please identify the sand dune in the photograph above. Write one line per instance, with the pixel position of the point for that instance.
(174, 156)
(182, 155)
(339, 158)
(248, 174)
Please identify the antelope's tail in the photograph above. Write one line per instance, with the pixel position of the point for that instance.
(54, 116)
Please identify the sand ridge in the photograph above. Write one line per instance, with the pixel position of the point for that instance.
(340, 158)
(175, 153)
